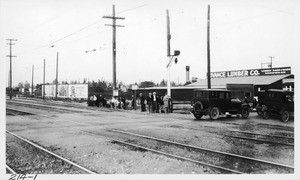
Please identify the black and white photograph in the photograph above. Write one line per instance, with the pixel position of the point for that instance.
(144, 89)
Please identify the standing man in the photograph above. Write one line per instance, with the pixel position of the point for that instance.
(143, 108)
(97, 102)
(166, 99)
(149, 102)
(155, 103)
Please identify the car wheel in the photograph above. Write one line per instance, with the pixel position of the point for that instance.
(214, 113)
(198, 107)
(265, 115)
(198, 116)
(245, 112)
(285, 116)
(259, 112)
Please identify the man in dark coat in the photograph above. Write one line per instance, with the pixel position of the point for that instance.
(149, 102)
(155, 102)
(143, 107)
(97, 102)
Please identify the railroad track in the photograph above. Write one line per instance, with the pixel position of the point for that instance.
(46, 102)
(263, 138)
(65, 106)
(222, 161)
(45, 107)
(236, 164)
(15, 112)
(40, 160)
(245, 135)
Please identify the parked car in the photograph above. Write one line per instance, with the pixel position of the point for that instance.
(276, 102)
(214, 102)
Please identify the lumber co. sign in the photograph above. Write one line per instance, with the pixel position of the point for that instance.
(251, 72)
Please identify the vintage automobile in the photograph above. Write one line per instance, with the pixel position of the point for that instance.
(215, 102)
(276, 102)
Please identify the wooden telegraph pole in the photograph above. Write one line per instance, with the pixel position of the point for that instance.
(114, 50)
(208, 50)
(168, 53)
(32, 80)
(10, 71)
(44, 79)
(56, 80)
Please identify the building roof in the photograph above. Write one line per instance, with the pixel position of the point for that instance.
(221, 90)
(255, 80)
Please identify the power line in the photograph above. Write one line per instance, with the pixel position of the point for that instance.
(85, 27)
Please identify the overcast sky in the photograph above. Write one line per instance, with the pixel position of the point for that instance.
(243, 35)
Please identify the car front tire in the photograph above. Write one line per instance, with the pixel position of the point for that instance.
(285, 116)
(265, 115)
(198, 116)
(245, 112)
(214, 113)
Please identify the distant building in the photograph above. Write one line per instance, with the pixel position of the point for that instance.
(249, 82)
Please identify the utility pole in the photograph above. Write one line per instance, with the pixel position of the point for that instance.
(10, 71)
(32, 80)
(271, 57)
(43, 94)
(56, 80)
(168, 35)
(208, 49)
(168, 53)
(114, 50)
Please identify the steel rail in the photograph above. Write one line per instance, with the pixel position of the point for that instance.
(10, 169)
(22, 111)
(259, 140)
(45, 102)
(245, 132)
(261, 134)
(205, 149)
(49, 106)
(83, 169)
(163, 153)
(28, 112)
(87, 124)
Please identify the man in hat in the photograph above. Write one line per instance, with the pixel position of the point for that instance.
(155, 103)
(149, 102)
(142, 97)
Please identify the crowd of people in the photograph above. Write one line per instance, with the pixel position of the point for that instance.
(152, 103)
(155, 103)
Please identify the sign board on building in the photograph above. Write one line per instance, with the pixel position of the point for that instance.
(134, 87)
(116, 92)
(67, 90)
(78, 90)
(62, 90)
(251, 72)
